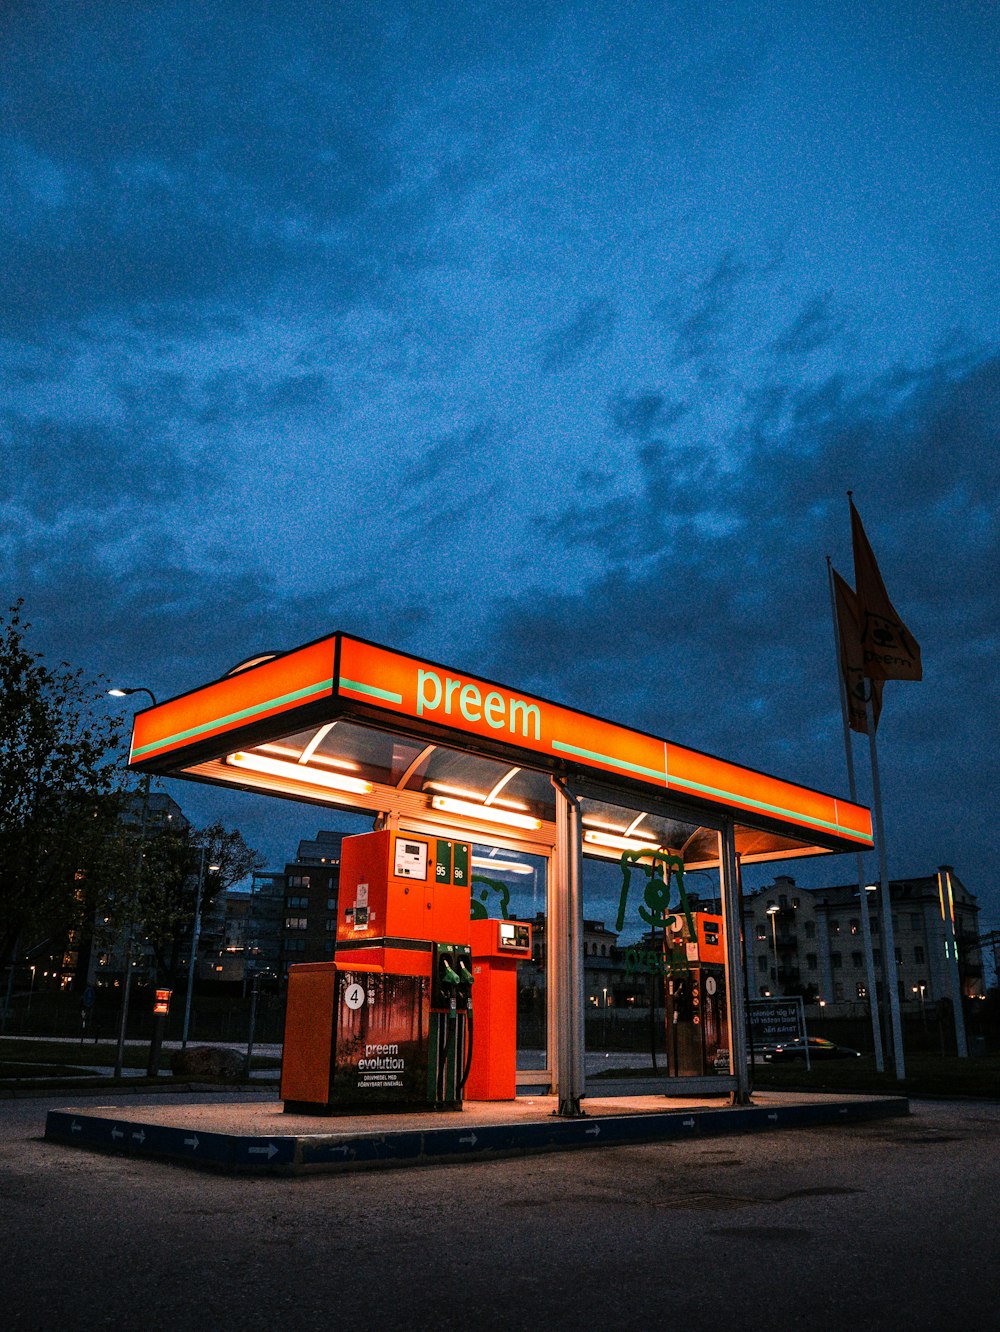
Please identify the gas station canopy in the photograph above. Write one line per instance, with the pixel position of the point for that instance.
(347, 723)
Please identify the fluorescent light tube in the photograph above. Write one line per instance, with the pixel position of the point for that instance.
(299, 772)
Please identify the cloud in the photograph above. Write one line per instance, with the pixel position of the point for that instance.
(699, 332)
(720, 637)
(639, 415)
(54, 466)
(813, 327)
(589, 328)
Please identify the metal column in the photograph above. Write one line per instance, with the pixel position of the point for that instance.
(732, 916)
(566, 954)
(947, 897)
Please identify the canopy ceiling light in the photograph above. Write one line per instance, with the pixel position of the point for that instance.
(308, 755)
(502, 866)
(486, 813)
(476, 797)
(298, 772)
(619, 843)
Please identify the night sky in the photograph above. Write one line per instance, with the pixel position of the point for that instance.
(543, 340)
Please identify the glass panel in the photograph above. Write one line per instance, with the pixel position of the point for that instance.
(512, 885)
(449, 772)
(655, 979)
(358, 751)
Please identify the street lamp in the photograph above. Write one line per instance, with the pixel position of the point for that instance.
(772, 911)
(126, 988)
(139, 689)
(194, 944)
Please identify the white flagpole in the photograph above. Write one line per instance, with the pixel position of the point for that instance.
(866, 930)
(888, 935)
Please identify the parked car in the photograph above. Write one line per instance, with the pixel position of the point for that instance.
(818, 1049)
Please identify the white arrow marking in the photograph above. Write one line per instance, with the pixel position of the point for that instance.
(688, 1123)
(843, 1110)
(192, 1142)
(75, 1127)
(116, 1132)
(595, 1131)
(268, 1151)
(343, 1151)
(773, 1115)
(139, 1137)
(471, 1140)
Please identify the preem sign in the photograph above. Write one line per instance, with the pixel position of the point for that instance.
(428, 693)
(344, 676)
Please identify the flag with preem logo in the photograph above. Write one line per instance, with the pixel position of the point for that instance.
(889, 650)
(852, 659)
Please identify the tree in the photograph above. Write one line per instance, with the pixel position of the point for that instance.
(60, 787)
(152, 898)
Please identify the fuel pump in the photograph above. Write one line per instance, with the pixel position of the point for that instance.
(696, 1015)
(388, 1023)
(497, 948)
(452, 1031)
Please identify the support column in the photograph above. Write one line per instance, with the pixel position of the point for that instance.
(566, 965)
(947, 896)
(736, 987)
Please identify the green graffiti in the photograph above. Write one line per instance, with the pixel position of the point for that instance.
(479, 910)
(655, 909)
(653, 962)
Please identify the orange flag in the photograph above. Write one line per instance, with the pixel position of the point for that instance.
(890, 652)
(852, 659)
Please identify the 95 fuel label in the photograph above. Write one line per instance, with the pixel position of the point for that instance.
(354, 995)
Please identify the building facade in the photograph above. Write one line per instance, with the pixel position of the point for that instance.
(312, 883)
(810, 942)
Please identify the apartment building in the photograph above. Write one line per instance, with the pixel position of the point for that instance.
(810, 941)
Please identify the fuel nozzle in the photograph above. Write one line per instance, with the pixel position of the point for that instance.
(448, 975)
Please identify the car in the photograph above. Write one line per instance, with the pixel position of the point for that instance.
(818, 1049)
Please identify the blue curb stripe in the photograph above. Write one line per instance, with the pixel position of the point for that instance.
(294, 1154)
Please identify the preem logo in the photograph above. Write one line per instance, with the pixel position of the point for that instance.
(501, 712)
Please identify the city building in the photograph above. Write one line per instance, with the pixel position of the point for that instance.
(810, 942)
(312, 879)
(241, 934)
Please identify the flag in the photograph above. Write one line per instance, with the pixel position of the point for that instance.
(890, 652)
(852, 659)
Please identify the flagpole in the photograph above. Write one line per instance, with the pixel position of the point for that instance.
(888, 935)
(866, 932)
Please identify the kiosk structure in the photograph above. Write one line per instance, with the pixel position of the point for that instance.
(445, 761)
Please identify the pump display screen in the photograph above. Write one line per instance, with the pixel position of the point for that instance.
(411, 859)
(513, 935)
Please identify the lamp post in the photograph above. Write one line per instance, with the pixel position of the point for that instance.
(196, 931)
(144, 810)
(772, 911)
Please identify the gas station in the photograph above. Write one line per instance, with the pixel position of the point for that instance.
(486, 803)
(445, 762)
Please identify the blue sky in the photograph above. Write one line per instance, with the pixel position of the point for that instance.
(541, 339)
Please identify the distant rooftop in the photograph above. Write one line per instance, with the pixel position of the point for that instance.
(323, 849)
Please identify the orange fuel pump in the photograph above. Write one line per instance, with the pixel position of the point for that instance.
(497, 947)
(387, 1023)
(695, 999)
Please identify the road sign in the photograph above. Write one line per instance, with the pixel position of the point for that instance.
(773, 1021)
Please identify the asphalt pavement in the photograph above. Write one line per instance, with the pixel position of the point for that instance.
(890, 1224)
